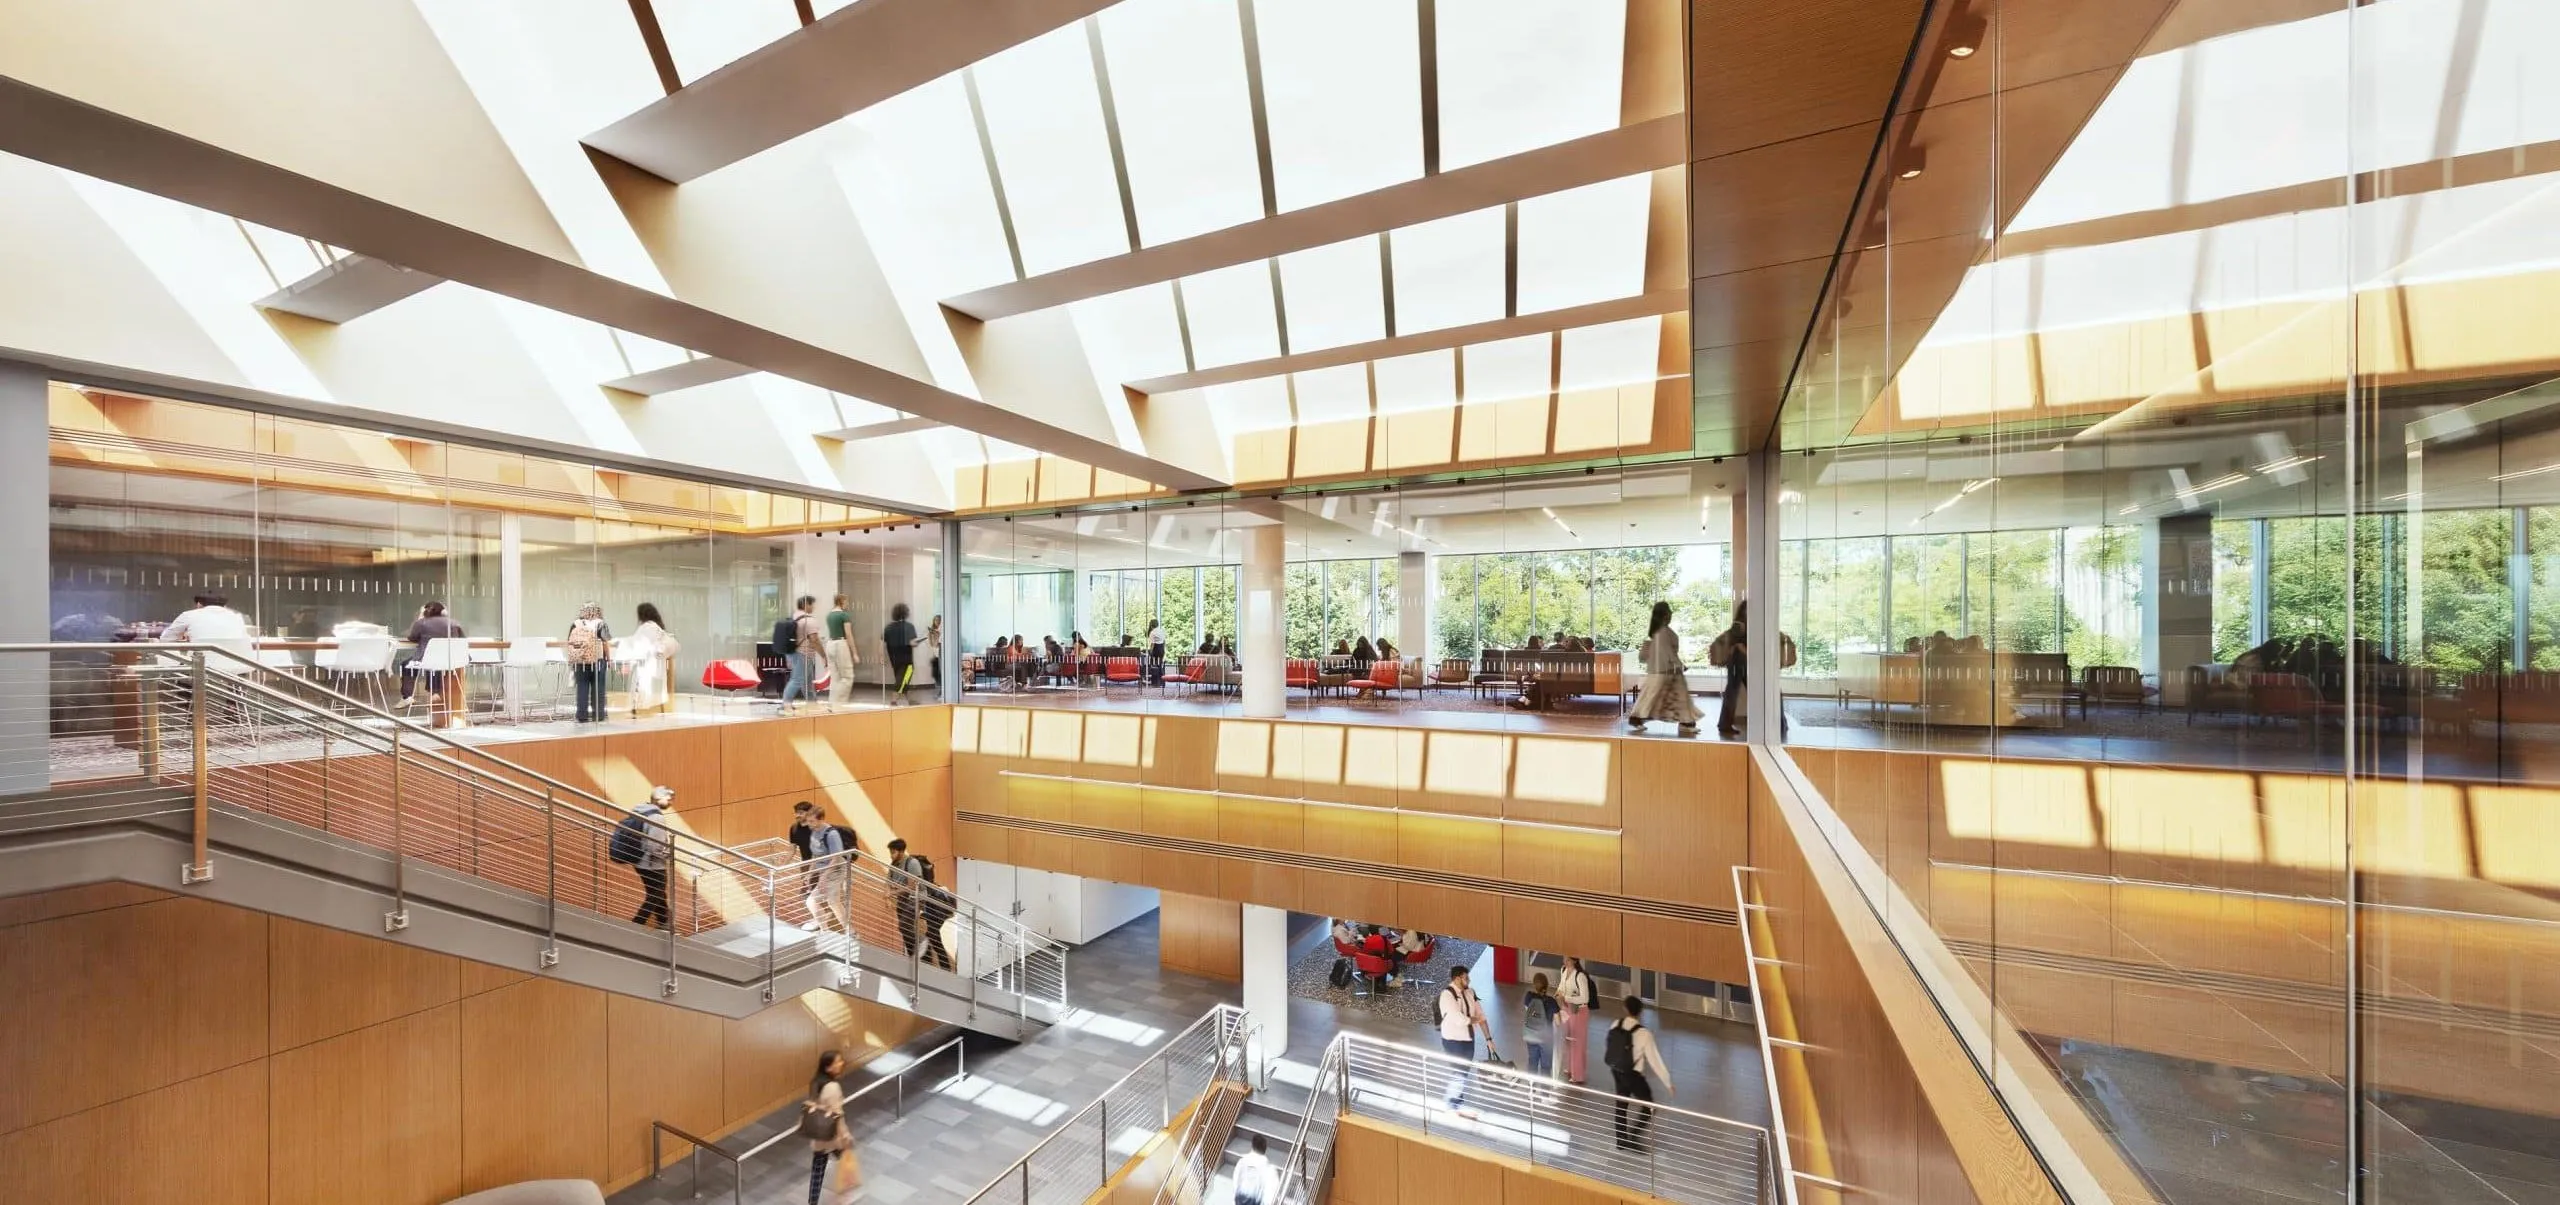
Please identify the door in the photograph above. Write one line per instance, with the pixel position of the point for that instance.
(1037, 903)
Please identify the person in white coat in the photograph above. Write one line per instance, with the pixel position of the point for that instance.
(656, 649)
(1665, 695)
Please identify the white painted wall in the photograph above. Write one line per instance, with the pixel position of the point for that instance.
(1066, 907)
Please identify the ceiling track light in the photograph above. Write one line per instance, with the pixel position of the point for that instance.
(1912, 163)
(1964, 35)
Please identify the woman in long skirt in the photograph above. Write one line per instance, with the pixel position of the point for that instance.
(1665, 695)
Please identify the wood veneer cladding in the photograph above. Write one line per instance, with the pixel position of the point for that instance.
(534, 1084)
(372, 1115)
(1380, 1164)
(664, 1064)
(207, 1143)
(325, 982)
(1201, 935)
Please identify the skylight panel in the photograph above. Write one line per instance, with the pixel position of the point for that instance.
(1044, 117)
(1509, 368)
(1583, 244)
(1449, 272)
(1423, 381)
(705, 35)
(1186, 117)
(1613, 353)
(1131, 334)
(1257, 405)
(1327, 394)
(1520, 74)
(1333, 295)
(1342, 85)
(919, 171)
(1231, 315)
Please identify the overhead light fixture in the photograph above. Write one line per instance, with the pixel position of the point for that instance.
(2535, 471)
(1964, 35)
(1914, 162)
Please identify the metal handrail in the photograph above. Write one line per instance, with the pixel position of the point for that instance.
(1298, 1181)
(1680, 1154)
(737, 1160)
(1194, 1150)
(1226, 1022)
(1782, 1170)
(1025, 965)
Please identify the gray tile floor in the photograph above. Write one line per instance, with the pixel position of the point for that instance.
(955, 1138)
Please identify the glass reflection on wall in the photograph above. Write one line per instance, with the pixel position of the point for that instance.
(2167, 498)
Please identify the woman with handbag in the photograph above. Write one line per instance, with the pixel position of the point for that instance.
(1666, 679)
(822, 1123)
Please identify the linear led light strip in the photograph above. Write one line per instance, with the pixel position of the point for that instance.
(2230, 479)
(1952, 499)
(1313, 803)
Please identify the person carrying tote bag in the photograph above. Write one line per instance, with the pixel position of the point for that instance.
(822, 1123)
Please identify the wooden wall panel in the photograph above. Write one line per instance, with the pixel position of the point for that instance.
(1427, 1171)
(374, 1115)
(1179, 751)
(1255, 881)
(1113, 806)
(1463, 773)
(920, 802)
(664, 1065)
(202, 1141)
(1684, 823)
(1360, 834)
(1262, 824)
(771, 757)
(688, 759)
(1475, 915)
(1367, 1167)
(1580, 859)
(1361, 898)
(1462, 846)
(767, 1057)
(1110, 861)
(920, 739)
(1682, 947)
(1565, 780)
(1201, 935)
(1178, 814)
(1587, 933)
(571, 760)
(861, 741)
(533, 1084)
(325, 982)
(72, 901)
(102, 1006)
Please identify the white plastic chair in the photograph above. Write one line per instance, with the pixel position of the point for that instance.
(532, 681)
(362, 660)
(443, 655)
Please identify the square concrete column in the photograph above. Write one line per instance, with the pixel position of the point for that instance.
(813, 570)
(26, 608)
(1259, 618)
(1413, 604)
(1266, 975)
(2177, 604)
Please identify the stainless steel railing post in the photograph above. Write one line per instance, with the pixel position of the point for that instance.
(550, 956)
(398, 918)
(198, 868)
(770, 903)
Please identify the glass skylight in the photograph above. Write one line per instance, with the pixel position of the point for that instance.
(1423, 381)
(1613, 353)
(1583, 244)
(1509, 368)
(1327, 394)
(1333, 295)
(1449, 272)
(1342, 85)
(705, 35)
(1256, 405)
(1186, 118)
(1521, 74)
(1231, 316)
(1044, 117)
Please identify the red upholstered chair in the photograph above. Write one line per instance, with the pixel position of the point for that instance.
(1123, 671)
(1301, 672)
(1374, 967)
(1190, 675)
(1384, 677)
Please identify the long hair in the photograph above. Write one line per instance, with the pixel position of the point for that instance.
(649, 614)
(1661, 618)
(818, 1079)
(431, 610)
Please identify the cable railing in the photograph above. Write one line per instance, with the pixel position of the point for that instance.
(896, 1081)
(1672, 1153)
(219, 728)
(1082, 1154)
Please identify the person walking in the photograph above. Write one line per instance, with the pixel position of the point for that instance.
(827, 895)
(904, 872)
(808, 639)
(1155, 654)
(1732, 650)
(1460, 1017)
(933, 654)
(1573, 1020)
(1665, 695)
(826, 1103)
(841, 655)
(584, 649)
(1631, 1054)
(1538, 1012)
(934, 908)
(900, 639)
(649, 846)
(1253, 1175)
(653, 649)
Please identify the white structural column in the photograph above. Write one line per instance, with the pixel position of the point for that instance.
(949, 609)
(1758, 586)
(1413, 604)
(511, 598)
(25, 609)
(813, 570)
(1259, 618)
(1266, 974)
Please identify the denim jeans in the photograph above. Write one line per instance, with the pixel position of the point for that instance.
(589, 680)
(1463, 1049)
(798, 686)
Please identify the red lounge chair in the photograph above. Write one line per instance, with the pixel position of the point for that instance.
(1383, 677)
(1190, 675)
(736, 673)
(1374, 967)
(1301, 672)
(1122, 671)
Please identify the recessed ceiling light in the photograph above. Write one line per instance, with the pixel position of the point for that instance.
(1959, 52)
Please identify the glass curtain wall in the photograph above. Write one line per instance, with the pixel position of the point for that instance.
(2167, 509)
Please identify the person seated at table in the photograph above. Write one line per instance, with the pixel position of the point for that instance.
(1342, 648)
(1938, 643)
(1378, 945)
(1537, 644)
(1386, 649)
(1208, 646)
(1910, 644)
(1343, 934)
(1411, 942)
(1970, 644)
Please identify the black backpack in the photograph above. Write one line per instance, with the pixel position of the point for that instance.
(1341, 975)
(1620, 1053)
(786, 635)
(851, 841)
(628, 840)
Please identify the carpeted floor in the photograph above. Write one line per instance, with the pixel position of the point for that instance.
(1411, 1003)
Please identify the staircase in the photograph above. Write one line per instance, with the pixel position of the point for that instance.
(196, 766)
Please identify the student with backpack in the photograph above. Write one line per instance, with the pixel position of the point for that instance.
(904, 870)
(1460, 1017)
(801, 640)
(1538, 1011)
(937, 908)
(1253, 1175)
(1630, 1054)
(585, 651)
(827, 894)
(645, 845)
